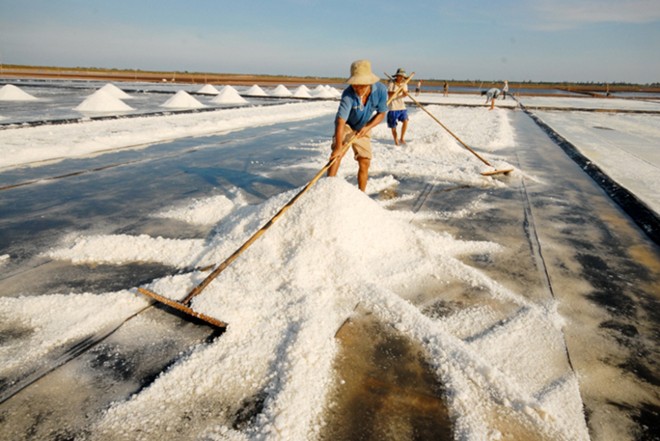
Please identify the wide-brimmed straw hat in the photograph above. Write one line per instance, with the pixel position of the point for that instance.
(400, 71)
(361, 73)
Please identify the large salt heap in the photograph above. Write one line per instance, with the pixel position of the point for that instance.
(208, 89)
(301, 92)
(182, 100)
(102, 101)
(115, 91)
(10, 92)
(229, 95)
(281, 91)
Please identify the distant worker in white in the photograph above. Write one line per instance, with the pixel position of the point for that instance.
(397, 108)
(505, 89)
(362, 107)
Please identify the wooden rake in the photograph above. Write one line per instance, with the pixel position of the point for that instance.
(481, 158)
(184, 305)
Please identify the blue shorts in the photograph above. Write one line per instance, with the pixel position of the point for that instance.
(394, 116)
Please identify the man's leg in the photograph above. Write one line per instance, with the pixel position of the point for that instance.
(403, 131)
(396, 142)
(363, 173)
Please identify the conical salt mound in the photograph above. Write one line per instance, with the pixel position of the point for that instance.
(303, 87)
(12, 93)
(301, 93)
(318, 89)
(182, 100)
(102, 101)
(255, 91)
(229, 95)
(322, 93)
(115, 91)
(333, 91)
(209, 89)
(281, 91)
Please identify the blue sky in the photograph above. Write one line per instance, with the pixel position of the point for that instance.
(536, 40)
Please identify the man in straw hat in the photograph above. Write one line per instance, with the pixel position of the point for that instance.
(397, 110)
(362, 107)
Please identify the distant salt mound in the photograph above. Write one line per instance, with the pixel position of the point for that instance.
(229, 95)
(182, 100)
(209, 89)
(303, 87)
(318, 89)
(333, 91)
(10, 92)
(116, 92)
(102, 101)
(281, 91)
(255, 91)
(322, 93)
(301, 92)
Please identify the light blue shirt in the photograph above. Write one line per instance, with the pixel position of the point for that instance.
(357, 115)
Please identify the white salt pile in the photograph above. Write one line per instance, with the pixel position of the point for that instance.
(9, 92)
(281, 91)
(208, 89)
(286, 296)
(229, 95)
(318, 89)
(333, 91)
(301, 92)
(322, 92)
(102, 101)
(115, 91)
(255, 91)
(182, 100)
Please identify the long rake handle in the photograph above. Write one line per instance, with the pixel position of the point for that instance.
(450, 132)
(204, 283)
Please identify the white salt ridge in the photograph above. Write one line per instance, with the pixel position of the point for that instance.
(111, 249)
(182, 100)
(115, 91)
(208, 89)
(229, 95)
(59, 319)
(9, 92)
(207, 211)
(281, 91)
(102, 101)
(69, 140)
(255, 91)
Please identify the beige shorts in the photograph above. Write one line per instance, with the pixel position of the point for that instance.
(361, 146)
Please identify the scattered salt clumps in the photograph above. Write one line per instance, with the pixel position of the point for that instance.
(10, 92)
(281, 91)
(255, 91)
(182, 100)
(102, 101)
(229, 95)
(209, 89)
(115, 91)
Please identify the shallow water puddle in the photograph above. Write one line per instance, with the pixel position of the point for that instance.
(385, 388)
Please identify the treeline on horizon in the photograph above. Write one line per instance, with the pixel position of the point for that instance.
(184, 76)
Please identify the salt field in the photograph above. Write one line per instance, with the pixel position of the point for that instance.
(440, 304)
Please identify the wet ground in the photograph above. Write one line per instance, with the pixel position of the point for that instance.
(564, 238)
